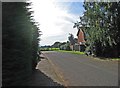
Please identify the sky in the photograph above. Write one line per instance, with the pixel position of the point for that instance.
(56, 19)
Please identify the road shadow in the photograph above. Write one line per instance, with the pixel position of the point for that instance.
(41, 56)
(40, 79)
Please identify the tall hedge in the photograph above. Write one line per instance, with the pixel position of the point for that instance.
(20, 39)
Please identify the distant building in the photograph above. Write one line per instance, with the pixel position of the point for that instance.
(81, 39)
(78, 44)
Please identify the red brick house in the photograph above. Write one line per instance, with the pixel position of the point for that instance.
(81, 39)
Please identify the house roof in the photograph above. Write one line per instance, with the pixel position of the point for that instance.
(78, 32)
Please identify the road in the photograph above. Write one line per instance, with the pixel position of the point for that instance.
(81, 70)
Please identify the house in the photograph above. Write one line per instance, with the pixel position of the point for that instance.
(76, 45)
(81, 39)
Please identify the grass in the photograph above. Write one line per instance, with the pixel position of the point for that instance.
(106, 59)
(49, 49)
(57, 49)
(73, 52)
(115, 58)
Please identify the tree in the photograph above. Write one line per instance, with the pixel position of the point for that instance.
(101, 24)
(71, 39)
(65, 46)
(56, 45)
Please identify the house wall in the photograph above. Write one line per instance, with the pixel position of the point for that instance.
(81, 40)
(71, 47)
(77, 47)
(81, 37)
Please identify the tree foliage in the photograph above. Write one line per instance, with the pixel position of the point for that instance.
(56, 45)
(101, 25)
(71, 39)
(20, 42)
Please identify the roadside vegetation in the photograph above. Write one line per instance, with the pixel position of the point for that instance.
(101, 24)
(73, 52)
(57, 49)
(20, 43)
(49, 49)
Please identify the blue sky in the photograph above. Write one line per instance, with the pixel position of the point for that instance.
(56, 19)
(76, 7)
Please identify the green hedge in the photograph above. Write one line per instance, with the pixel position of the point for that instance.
(20, 39)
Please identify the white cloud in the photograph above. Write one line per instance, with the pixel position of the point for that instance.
(54, 19)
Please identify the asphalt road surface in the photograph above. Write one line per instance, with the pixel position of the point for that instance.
(81, 70)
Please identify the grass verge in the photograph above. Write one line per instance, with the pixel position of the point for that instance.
(106, 59)
(82, 53)
(73, 52)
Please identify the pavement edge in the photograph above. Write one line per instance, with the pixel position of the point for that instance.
(58, 74)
